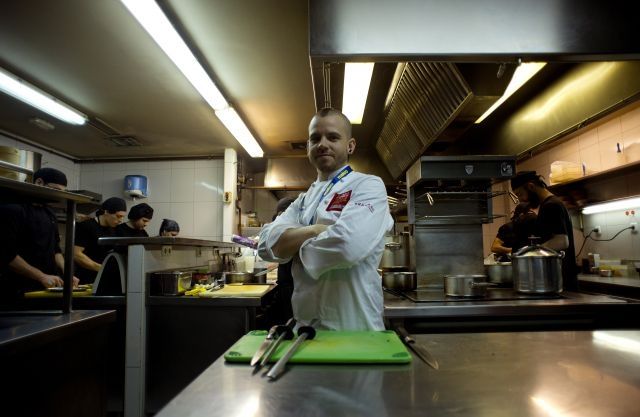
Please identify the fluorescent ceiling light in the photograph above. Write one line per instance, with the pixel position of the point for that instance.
(229, 117)
(153, 20)
(357, 77)
(37, 98)
(522, 74)
(623, 204)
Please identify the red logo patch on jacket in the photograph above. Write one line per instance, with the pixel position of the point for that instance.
(339, 201)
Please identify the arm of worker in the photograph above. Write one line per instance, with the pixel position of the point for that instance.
(362, 224)
(292, 239)
(23, 268)
(83, 260)
(498, 247)
(60, 264)
(281, 239)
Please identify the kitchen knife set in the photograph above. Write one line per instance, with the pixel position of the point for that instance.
(275, 336)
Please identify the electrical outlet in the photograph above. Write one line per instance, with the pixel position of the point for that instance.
(597, 230)
(634, 227)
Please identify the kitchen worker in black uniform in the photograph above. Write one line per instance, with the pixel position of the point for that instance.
(31, 257)
(139, 217)
(282, 310)
(553, 224)
(169, 228)
(88, 255)
(514, 235)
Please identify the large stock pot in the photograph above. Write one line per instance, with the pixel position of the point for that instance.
(537, 269)
(396, 252)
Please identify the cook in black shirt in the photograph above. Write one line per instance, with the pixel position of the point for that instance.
(88, 255)
(513, 235)
(553, 224)
(139, 217)
(31, 257)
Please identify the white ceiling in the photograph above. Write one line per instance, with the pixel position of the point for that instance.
(94, 56)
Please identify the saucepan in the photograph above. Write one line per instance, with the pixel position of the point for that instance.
(500, 273)
(247, 277)
(466, 285)
(399, 280)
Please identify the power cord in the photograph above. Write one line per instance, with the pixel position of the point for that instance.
(588, 236)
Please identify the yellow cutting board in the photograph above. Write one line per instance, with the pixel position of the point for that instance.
(237, 291)
(49, 294)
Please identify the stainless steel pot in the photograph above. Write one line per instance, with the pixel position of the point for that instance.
(466, 285)
(396, 251)
(399, 280)
(500, 273)
(537, 269)
(243, 278)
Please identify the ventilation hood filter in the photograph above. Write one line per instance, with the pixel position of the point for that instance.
(428, 97)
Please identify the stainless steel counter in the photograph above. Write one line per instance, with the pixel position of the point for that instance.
(481, 374)
(398, 307)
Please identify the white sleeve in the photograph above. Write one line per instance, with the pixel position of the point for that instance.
(271, 232)
(355, 235)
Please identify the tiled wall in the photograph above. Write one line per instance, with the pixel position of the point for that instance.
(188, 191)
(66, 165)
(609, 143)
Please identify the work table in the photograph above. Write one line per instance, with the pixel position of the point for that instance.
(521, 373)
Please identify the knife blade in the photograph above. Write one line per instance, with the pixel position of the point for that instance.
(419, 350)
(304, 333)
(283, 332)
(264, 346)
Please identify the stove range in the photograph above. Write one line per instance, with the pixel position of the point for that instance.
(434, 295)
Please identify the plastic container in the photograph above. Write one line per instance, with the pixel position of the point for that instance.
(562, 171)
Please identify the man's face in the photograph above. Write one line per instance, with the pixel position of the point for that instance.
(141, 223)
(114, 219)
(329, 145)
(526, 194)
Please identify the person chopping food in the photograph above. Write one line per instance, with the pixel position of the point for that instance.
(334, 233)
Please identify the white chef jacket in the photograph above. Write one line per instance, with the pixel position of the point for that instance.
(335, 274)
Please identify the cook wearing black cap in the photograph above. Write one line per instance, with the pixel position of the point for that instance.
(169, 228)
(553, 224)
(88, 255)
(139, 217)
(30, 255)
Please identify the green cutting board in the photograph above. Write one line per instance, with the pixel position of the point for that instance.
(329, 347)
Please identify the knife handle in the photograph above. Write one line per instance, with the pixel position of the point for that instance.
(404, 335)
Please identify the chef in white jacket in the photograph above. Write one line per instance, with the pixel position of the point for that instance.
(335, 234)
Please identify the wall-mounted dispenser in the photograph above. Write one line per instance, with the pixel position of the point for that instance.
(135, 186)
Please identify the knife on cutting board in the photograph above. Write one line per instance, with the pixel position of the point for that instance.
(419, 350)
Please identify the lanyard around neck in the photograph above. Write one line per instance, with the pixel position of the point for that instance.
(338, 177)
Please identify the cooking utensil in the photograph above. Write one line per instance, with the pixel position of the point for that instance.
(399, 280)
(268, 341)
(283, 332)
(231, 277)
(396, 252)
(304, 333)
(419, 350)
(466, 285)
(500, 273)
(537, 269)
(265, 272)
(170, 282)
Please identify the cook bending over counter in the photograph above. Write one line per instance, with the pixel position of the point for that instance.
(334, 232)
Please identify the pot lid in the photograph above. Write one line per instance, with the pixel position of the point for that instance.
(536, 251)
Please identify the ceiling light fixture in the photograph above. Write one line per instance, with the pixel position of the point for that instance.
(522, 74)
(622, 204)
(154, 21)
(37, 98)
(357, 78)
(232, 121)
